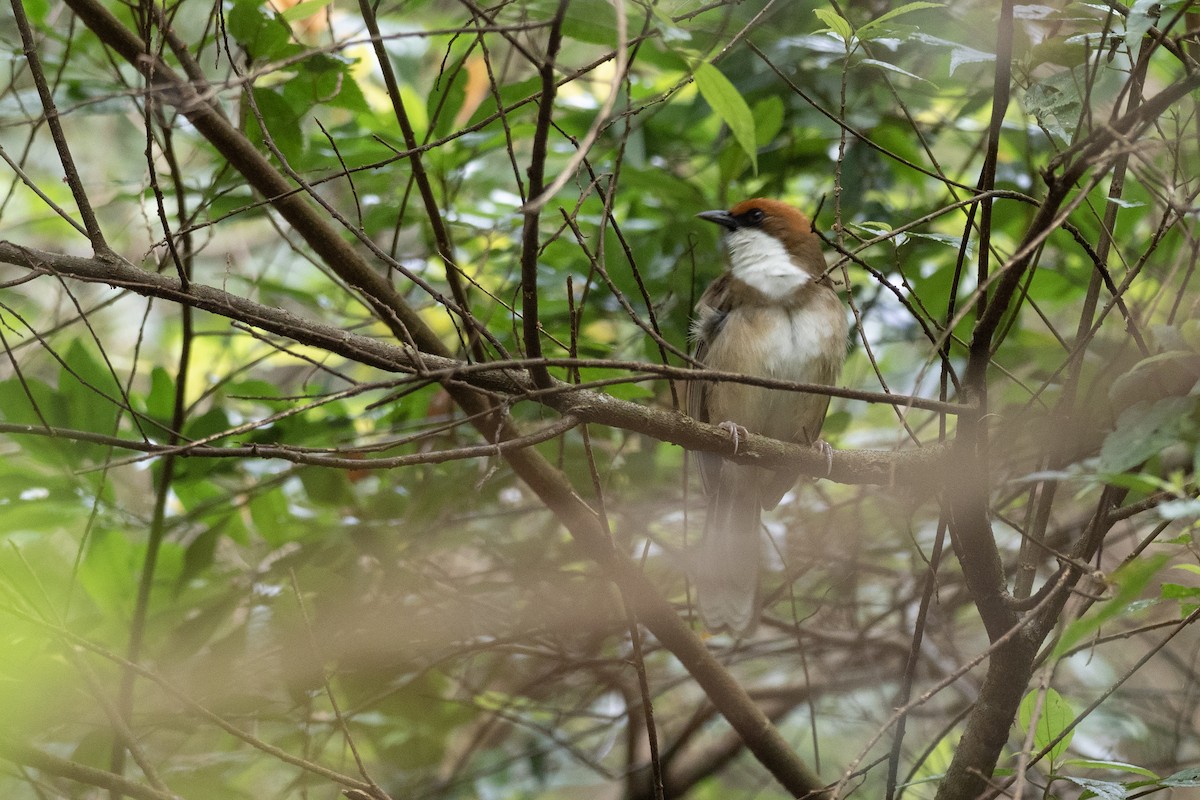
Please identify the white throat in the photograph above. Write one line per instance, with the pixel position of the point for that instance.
(760, 261)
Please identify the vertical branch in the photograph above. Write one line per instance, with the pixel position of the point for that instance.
(181, 256)
(441, 234)
(914, 657)
(1083, 334)
(1010, 666)
(1001, 90)
(530, 323)
(970, 526)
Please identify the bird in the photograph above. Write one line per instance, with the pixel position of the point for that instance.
(772, 313)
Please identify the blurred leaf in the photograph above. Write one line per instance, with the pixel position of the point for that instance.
(1116, 766)
(1130, 580)
(1185, 778)
(1188, 508)
(304, 10)
(1059, 50)
(730, 106)
(264, 36)
(874, 62)
(591, 21)
(768, 120)
(107, 572)
(1144, 430)
(1173, 373)
(960, 54)
(198, 555)
(323, 80)
(1106, 790)
(90, 393)
(1052, 721)
(282, 121)
(867, 30)
(1057, 103)
(1143, 14)
(160, 401)
(326, 486)
(1186, 595)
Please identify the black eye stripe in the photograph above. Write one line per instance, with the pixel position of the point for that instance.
(750, 219)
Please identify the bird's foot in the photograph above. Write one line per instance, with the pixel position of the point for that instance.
(736, 433)
(826, 451)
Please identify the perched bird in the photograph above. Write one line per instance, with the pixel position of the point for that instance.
(771, 314)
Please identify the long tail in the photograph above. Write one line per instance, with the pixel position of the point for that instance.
(727, 563)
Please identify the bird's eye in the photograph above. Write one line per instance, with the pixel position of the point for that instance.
(754, 216)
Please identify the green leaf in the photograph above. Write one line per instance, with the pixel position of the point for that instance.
(28, 402)
(1131, 580)
(326, 486)
(959, 53)
(447, 95)
(949, 240)
(107, 570)
(304, 10)
(730, 106)
(1141, 17)
(867, 30)
(874, 62)
(1171, 373)
(1105, 790)
(198, 555)
(263, 36)
(1053, 720)
(590, 21)
(1056, 102)
(90, 395)
(1116, 766)
(323, 80)
(37, 10)
(836, 23)
(1186, 595)
(1185, 777)
(202, 426)
(243, 20)
(160, 401)
(282, 121)
(1144, 430)
(768, 120)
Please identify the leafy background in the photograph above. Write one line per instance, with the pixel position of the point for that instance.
(431, 628)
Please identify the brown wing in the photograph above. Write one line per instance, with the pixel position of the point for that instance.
(710, 315)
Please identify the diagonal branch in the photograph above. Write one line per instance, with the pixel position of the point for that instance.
(70, 173)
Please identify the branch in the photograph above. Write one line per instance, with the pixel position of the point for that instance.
(1078, 160)
(70, 173)
(530, 241)
(919, 468)
(424, 350)
(90, 776)
(441, 234)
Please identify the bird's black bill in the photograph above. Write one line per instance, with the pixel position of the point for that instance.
(722, 218)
